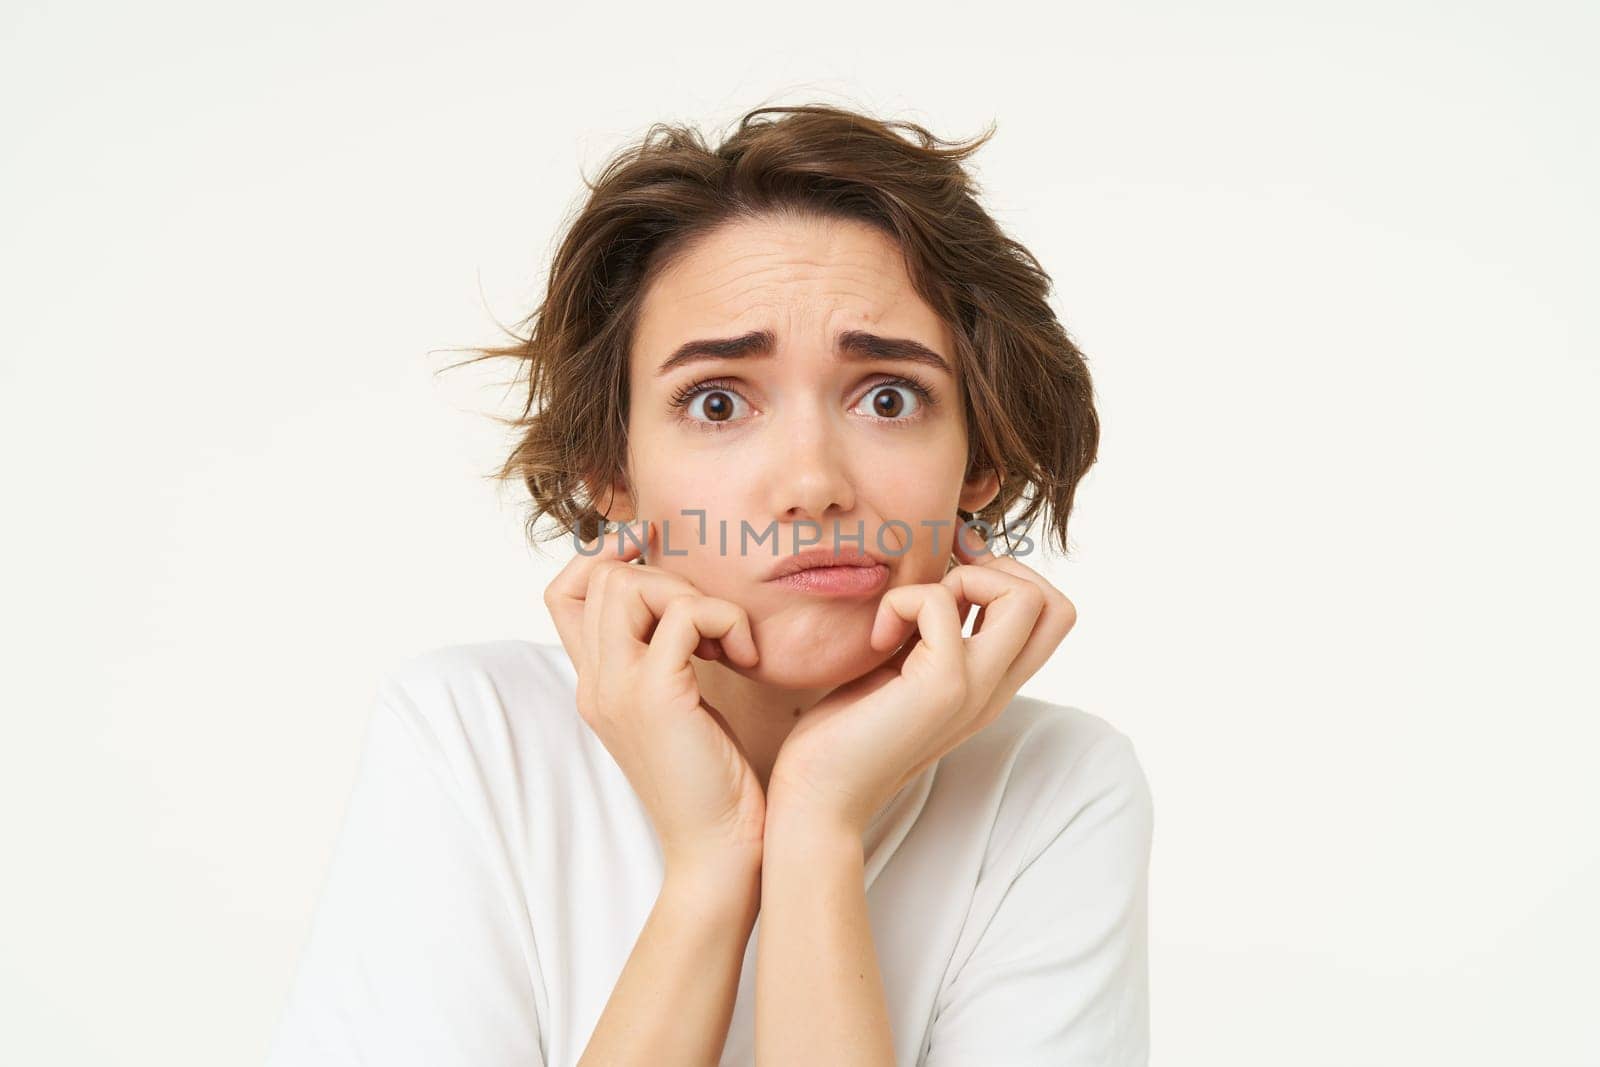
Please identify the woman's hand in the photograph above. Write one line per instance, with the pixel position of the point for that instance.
(849, 754)
(630, 629)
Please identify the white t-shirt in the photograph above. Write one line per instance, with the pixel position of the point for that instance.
(494, 869)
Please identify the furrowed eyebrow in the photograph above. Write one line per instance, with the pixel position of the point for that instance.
(857, 344)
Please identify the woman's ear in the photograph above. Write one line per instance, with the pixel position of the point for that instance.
(612, 499)
(979, 489)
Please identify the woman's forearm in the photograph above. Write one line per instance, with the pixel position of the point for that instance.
(819, 994)
(674, 999)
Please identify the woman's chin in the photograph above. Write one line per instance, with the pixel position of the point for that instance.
(794, 658)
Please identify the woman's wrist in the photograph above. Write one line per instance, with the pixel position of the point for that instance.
(715, 887)
(802, 831)
(797, 812)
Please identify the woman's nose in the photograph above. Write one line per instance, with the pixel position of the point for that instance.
(810, 470)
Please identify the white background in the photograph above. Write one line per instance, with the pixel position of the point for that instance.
(1334, 269)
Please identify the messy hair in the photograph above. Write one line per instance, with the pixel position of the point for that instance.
(1029, 401)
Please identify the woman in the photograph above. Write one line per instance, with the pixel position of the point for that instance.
(765, 803)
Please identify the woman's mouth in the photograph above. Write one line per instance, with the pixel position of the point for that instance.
(837, 581)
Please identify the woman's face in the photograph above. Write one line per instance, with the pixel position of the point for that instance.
(800, 442)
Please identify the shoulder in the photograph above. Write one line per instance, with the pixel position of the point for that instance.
(1049, 765)
(468, 673)
(485, 708)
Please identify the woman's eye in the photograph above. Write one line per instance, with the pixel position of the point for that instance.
(716, 405)
(713, 406)
(892, 401)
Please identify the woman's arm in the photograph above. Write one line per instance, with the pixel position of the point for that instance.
(674, 1000)
(819, 994)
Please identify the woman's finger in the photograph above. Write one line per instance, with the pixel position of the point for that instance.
(1011, 607)
(564, 596)
(594, 603)
(972, 550)
(635, 601)
(1060, 614)
(930, 609)
(685, 619)
(1055, 620)
(938, 642)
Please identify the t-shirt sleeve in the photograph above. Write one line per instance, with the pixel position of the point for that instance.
(1060, 975)
(415, 954)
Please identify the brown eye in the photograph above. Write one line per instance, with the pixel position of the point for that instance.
(889, 401)
(717, 406)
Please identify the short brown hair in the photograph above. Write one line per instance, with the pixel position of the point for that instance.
(1028, 397)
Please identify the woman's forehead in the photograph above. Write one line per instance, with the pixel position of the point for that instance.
(795, 278)
(821, 260)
